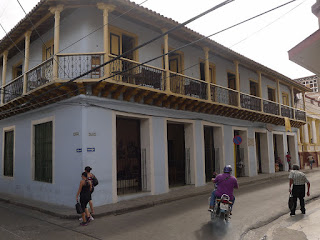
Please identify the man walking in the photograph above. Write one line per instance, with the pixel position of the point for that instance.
(311, 160)
(298, 180)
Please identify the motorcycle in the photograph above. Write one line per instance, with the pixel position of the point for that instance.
(222, 208)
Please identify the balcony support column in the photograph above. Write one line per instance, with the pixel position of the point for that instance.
(260, 88)
(4, 73)
(166, 62)
(207, 72)
(237, 81)
(56, 42)
(305, 134)
(278, 96)
(26, 60)
(304, 100)
(106, 8)
(292, 103)
(314, 131)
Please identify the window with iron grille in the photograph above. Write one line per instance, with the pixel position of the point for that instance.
(8, 153)
(43, 152)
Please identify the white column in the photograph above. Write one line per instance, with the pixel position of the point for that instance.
(207, 71)
(26, 60)
(298, 135)
(166, 61)
(314, 131)
(56, 11)
(4, 71)
(106, 8)
(305, 134)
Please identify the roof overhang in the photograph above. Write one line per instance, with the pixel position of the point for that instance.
(307, 53)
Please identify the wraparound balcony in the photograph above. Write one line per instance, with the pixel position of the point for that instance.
(146, 84)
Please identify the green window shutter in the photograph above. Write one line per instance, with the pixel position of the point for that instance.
(8, 154)
(43, 152)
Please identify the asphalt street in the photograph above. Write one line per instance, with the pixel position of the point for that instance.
(256, 206)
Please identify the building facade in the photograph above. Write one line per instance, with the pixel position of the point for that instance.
(143, 126)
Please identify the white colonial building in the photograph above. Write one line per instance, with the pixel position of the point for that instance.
(143, 128)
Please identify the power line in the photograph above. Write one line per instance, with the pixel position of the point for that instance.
(267, 25)
(166, 53)
(134, 49)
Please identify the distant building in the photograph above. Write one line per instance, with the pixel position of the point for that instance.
(311, 82)
(306, 54)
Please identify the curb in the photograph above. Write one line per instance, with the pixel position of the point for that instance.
(151, 203)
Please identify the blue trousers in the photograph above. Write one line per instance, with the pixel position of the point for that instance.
(213, 199)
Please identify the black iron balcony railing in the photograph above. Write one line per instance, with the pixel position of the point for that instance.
(74, 65)
(40, 75)
(13, 89)
(250, 102)
(287, 111)
(224, 95)
(270, 107)
(131, 72)
(128, 71)
(184, 85)
(300, 115)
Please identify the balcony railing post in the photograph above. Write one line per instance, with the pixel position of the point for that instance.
(207, 71)
(166, 62)
(4, 72)
(56, 11)
(26, 60)
(292, 103)
(278, 94)
(106, 8)
(260, 89)
(238, 82)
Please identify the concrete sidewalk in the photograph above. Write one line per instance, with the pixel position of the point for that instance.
(137, 203)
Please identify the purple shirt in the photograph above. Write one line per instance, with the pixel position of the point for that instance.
(225, 186)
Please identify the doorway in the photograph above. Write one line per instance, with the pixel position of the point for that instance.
(210, 153)
(129, 179)
(177, 155)
(239, 152)
(279, 155)
(258, 152)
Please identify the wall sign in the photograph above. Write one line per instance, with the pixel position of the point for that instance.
(79, 150)
(91, 149)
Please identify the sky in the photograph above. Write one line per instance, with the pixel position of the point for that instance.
(266, 39)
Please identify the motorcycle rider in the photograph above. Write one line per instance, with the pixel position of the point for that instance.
(225, 183)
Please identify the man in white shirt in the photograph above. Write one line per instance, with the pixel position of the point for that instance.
(298, 180)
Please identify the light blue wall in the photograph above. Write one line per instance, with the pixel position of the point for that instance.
(159, 144)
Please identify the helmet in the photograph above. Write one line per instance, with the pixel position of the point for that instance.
(227, 169)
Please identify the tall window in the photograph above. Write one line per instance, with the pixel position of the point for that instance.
(8, 153)
(253, 88)
(47, 50)
(231, 80)
(285, 99)
(271, 94)
(17, 70)
(212, 72)
(43, 152)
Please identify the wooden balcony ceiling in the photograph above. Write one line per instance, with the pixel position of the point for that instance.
(55, 92)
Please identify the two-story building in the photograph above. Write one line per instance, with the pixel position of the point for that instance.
(143, 127)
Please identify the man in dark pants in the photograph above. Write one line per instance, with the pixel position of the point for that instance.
(298, 180)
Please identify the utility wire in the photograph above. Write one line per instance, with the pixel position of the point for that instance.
(132, 50)
(267, 25)
(166, 53)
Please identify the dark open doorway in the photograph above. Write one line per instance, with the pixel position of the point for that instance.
(128, 156)
(176, 155)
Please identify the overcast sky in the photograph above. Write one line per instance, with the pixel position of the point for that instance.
(266, 39)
